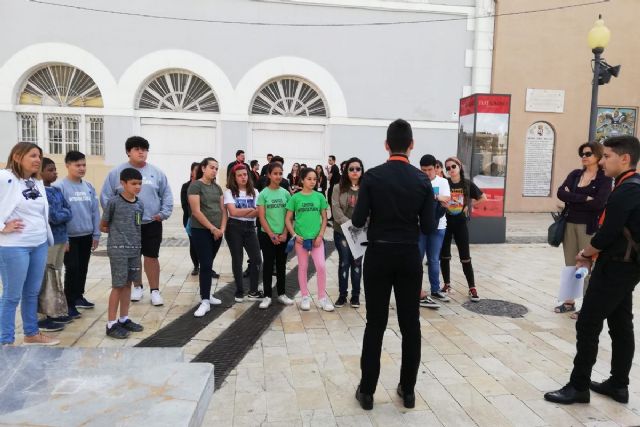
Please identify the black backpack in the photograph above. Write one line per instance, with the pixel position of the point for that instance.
(632, 245)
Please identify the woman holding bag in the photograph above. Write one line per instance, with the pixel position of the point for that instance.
(584, 192)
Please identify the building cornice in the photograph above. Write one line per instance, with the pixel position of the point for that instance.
(385, 5)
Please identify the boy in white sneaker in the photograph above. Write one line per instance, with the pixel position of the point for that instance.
(122, 219)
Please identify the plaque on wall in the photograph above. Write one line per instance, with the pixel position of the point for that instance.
(545, 101)
(538, 160)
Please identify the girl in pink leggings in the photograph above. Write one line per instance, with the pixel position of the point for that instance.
(310, 210)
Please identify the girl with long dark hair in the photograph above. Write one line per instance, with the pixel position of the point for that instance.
(464, 194)
(295, 182)
(343, 203)
(321, 182)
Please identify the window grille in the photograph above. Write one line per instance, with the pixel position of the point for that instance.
(95, 128)
(28, 127)
(63, 133)
(288, 97)
(61, 86)
(178, 91)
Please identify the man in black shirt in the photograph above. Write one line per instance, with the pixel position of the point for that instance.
(263, 172)
(398, 200)
(614, 276)
(240, 160)
(333, 175)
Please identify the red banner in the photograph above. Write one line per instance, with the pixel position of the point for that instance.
(497, 104)
(467, 106)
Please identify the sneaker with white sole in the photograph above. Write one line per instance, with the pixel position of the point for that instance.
(156, 298)
(214, 301)
(204, 308)
(40, 339)
(326, 305)
(429, 303)
(239, 298)
(440, 296)
(266, 302)
(305, 304)
(473, 295)
(285, 300)
(136, 293)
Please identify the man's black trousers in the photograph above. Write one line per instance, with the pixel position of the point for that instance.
(386, 266)
(609, 296)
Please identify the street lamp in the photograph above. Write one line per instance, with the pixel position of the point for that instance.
(598, 39)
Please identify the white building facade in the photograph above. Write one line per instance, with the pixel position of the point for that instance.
(194, 86)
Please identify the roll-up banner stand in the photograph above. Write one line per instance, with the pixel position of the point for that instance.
(483, 141)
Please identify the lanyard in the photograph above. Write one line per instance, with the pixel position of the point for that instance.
(618, 183)
(399, 158)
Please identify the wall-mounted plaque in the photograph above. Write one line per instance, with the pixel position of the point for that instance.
(538, 160)
(545, 101)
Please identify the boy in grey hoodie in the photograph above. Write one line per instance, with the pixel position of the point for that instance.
(83, 230)
(157, 199)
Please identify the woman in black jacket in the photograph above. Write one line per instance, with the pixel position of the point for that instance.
(186, 214)
(321, 182)
(584, 192)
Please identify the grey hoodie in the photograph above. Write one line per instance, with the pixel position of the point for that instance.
(83, 200)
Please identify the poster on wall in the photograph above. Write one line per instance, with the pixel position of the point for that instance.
(615, 121)
(538, 160)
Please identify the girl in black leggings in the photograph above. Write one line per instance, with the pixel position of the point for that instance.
(462, 191)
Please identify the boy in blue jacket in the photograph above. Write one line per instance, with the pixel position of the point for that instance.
(52, 302)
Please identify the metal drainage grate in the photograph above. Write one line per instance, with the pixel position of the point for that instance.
(496, 307)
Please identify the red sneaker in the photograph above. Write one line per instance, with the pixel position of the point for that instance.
(473, 295)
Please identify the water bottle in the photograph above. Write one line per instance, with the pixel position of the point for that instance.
(582, 272)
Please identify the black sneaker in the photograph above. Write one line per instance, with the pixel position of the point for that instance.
(255, 295)
(341, 301)
(49, 325)
(355, 302)
(429, 303)
(195, 271)
(440, 296)
(117, 332)
(62, 319)
(214, 275)
(131, 326)
(74, 313)
(83, 303)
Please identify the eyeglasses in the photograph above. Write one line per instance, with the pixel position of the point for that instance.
(32, 191)
(448, 168)
(355, 169)
(586, 154)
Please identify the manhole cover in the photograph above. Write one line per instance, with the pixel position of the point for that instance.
(496, 307)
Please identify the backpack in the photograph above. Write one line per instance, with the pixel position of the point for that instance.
(632, 245)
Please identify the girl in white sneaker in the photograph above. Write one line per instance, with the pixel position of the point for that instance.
(272, 209)
(310, 209)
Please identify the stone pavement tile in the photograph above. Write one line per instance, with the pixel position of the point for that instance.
(445, 373)
(515, 411)
(541, 381)
(360, 420)
(421, 419)
(464, 365)
(476, 406)
(385, 414)
(519, 388)
(615, 411)
(252, 404)
(312, 398)
(317, 418)
(444, 406)
(487, 385)
(307, 375)
(282, 405)
(253, 420)
(552, 414)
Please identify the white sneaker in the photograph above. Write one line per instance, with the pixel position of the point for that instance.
(156, 298)
(136, 293)
(326, 305)
(239, 299)
(214, 301)
(285, 300)
(266, 302)
(305, 304)
(204, 308)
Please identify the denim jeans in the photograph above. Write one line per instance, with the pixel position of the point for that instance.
(21, 270)
(346, 263)
(206, 250)
(431, 244)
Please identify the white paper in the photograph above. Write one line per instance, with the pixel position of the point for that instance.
(570, 287)
(355, 238)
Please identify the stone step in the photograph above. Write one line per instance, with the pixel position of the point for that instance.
(102, 387)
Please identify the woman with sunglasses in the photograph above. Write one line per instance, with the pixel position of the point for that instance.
(25, 236)
(343, 203)
(584, 192)
(464, 193)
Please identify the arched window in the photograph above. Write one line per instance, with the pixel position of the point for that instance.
(289, 97)
(180, 91)
(53, 87)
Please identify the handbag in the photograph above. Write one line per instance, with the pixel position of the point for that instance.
(555, 233)
(52, 301)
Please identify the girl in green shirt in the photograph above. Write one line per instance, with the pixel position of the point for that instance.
(310, 209)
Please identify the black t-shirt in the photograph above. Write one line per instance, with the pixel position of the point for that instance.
(335, 175)
(458, 202)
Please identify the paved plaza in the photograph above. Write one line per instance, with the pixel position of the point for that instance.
(303, 370)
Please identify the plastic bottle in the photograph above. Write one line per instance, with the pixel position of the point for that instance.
(582, 272)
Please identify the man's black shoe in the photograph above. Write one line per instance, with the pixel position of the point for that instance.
(83, 303)
(409, 399)
(195, 271)
(214, 275)
(366, 400)
(341, 301)
(619, 394)
(568, 395)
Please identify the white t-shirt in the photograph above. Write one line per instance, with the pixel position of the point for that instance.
(241, 202)
(31, 210)
(441, 188)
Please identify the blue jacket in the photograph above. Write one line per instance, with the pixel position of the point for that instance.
(59, 214)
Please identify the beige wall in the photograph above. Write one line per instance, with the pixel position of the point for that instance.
(549, 50)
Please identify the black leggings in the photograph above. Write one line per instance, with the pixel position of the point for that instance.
(207, 248)
(271, 252)
(193, 253)
(242, 235)
(456, 229)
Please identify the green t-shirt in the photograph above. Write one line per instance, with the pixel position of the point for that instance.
(275, 207)
(209, 202)
(307, 208)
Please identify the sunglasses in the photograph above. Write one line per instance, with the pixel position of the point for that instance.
(448, 168)
(32, 191)
(586, 154)
(355, 169)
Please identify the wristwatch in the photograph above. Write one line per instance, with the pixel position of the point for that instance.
(581, 253)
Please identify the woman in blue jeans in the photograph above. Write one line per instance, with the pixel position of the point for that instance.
(25, 236)
(343, 202)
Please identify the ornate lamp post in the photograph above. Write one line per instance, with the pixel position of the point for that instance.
(598, 38)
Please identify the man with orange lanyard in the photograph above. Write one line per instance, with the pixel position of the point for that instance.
(398, 200)
(614, 276)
